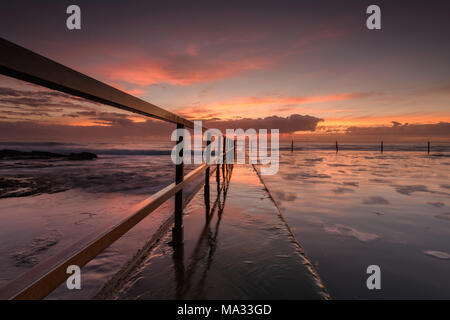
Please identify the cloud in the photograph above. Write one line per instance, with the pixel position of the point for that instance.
(182, 69)
(110, 126)
(203, 57)
(44, 105)
(36, 91)
(16, 104)
(104, 118)
(32, 108)
(399, 130)
(303, 99)
(438, 254)
(248, 104)
(103, 129)
(444, 90)
(290, 124)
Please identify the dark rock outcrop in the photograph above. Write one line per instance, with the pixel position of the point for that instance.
(42, 155)
(82, 156)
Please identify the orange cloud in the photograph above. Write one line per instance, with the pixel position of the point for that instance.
(134, 91)
(182, 70)
(417, 117)
(259, 105)
(202, 60)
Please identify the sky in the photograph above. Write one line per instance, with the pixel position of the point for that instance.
(309, 68)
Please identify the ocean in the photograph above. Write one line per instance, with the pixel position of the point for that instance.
(348, 210)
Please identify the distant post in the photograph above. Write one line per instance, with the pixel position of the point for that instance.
(218, 176)
(337, 147)
(177, 231)
(381, 148)
(292, 145)
(429, 147)
(224, 160)
(235, 150)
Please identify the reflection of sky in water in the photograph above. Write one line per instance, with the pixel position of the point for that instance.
(359, 208)
(47, 205)
(348, 211)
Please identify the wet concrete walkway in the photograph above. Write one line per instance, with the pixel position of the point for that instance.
(237, 247)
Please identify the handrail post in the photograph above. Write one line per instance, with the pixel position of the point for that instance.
(207, 175)
(218, 166)
(177, 231)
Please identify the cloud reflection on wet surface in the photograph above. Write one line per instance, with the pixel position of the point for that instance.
(358, 208)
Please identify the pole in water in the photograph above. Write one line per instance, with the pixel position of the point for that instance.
(382, 147)
(292, 146)
(429, 147)
(337, 147)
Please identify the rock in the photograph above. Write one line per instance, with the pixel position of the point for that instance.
(39, 155)
(82, 156)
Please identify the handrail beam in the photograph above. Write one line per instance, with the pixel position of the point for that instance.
(23, 64)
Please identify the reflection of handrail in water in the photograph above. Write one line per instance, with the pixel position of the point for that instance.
(213, 239)
(183, 276)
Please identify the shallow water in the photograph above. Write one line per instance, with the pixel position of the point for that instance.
(359, 208)
(348, 211)
(55, 203)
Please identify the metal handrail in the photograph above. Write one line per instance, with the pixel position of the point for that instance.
(23, 64)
